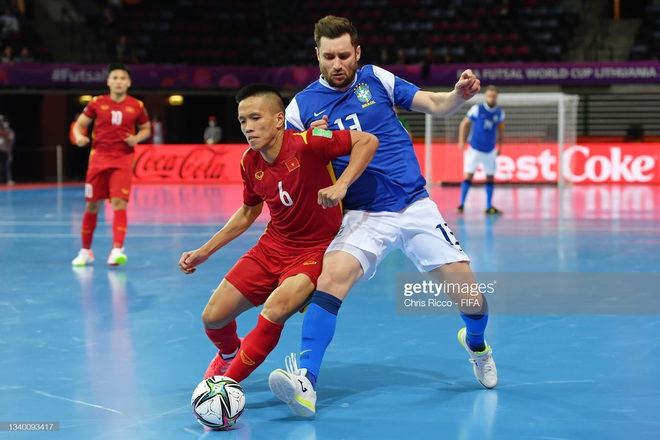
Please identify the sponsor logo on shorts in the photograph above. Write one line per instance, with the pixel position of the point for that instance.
(259, 175)
(125, 191)
(340, 231)
(309, 263)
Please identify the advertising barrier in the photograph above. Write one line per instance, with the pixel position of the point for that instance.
(537, 163)
(188, 163)
(519, 163)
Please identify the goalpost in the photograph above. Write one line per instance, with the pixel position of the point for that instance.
(539, 125)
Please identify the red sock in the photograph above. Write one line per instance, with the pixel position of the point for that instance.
(87, 231)
(225, 338)
(255, 348)
(119, 224)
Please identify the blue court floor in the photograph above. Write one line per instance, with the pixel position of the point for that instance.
(114, 353)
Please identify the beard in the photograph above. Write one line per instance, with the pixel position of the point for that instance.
(348, 77)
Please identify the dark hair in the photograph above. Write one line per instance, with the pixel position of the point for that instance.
(259, 89)
(333, 27)
(119, 66)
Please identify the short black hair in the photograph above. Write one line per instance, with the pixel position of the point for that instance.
(257, 89)
(119, 66)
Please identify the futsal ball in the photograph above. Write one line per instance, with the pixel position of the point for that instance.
(218, 402)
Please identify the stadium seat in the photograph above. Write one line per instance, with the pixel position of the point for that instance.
(468, 27)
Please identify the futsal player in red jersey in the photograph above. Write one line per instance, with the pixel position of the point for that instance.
(109, 173)
(290, 172)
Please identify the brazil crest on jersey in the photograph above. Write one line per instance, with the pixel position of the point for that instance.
(393, 179)
(485, 121)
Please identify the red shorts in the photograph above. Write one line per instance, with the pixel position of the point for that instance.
(108, 183)
(261, 270)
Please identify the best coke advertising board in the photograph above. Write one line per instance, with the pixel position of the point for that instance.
(518, 163)
(537, 163)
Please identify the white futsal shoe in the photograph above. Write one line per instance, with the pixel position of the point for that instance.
(484, 365)
(85, 257)
(293, 388)
(117, 257)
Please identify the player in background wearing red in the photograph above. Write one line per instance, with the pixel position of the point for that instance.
(290, 172)
(109, 173)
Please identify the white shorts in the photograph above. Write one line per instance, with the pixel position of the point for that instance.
(419, 231)
(472, 158)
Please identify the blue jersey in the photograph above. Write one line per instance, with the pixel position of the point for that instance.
(393, 179)
(485, 121)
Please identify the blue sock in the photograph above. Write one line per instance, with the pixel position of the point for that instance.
(317, 332)
(489, 194)
(475, 325)
(465, 187)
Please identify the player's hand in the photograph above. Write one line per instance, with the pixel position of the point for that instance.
(468, 85)
(461, 147)
(131, 140)
(331, 196)
(189, 260)
(321, 123)
(82, 141)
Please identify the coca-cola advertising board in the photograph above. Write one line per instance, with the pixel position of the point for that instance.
(188, 163)
(518, 163)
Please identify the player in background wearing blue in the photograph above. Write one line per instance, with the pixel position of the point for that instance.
(388, 207)
(487, 121)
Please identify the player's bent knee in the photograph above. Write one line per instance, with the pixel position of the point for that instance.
(213, 318)
(277, 315)
(340, 272)
(337, 287)
(280, 311)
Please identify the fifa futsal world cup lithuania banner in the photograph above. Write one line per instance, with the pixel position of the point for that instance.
(181, 77)
(519, 163)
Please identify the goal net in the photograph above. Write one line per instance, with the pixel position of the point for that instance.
(538, 129)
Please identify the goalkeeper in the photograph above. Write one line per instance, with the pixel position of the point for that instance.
(487, 121)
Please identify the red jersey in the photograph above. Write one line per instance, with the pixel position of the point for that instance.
(113, 122)
(290, 187)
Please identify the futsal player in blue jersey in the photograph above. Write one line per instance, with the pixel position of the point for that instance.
(388, 207)
(487, 121)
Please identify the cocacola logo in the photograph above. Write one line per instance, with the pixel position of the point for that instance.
(171, 163)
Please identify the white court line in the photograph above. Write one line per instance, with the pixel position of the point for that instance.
(77, 401)
(138, 235)
(135, 223)
(548, 382)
